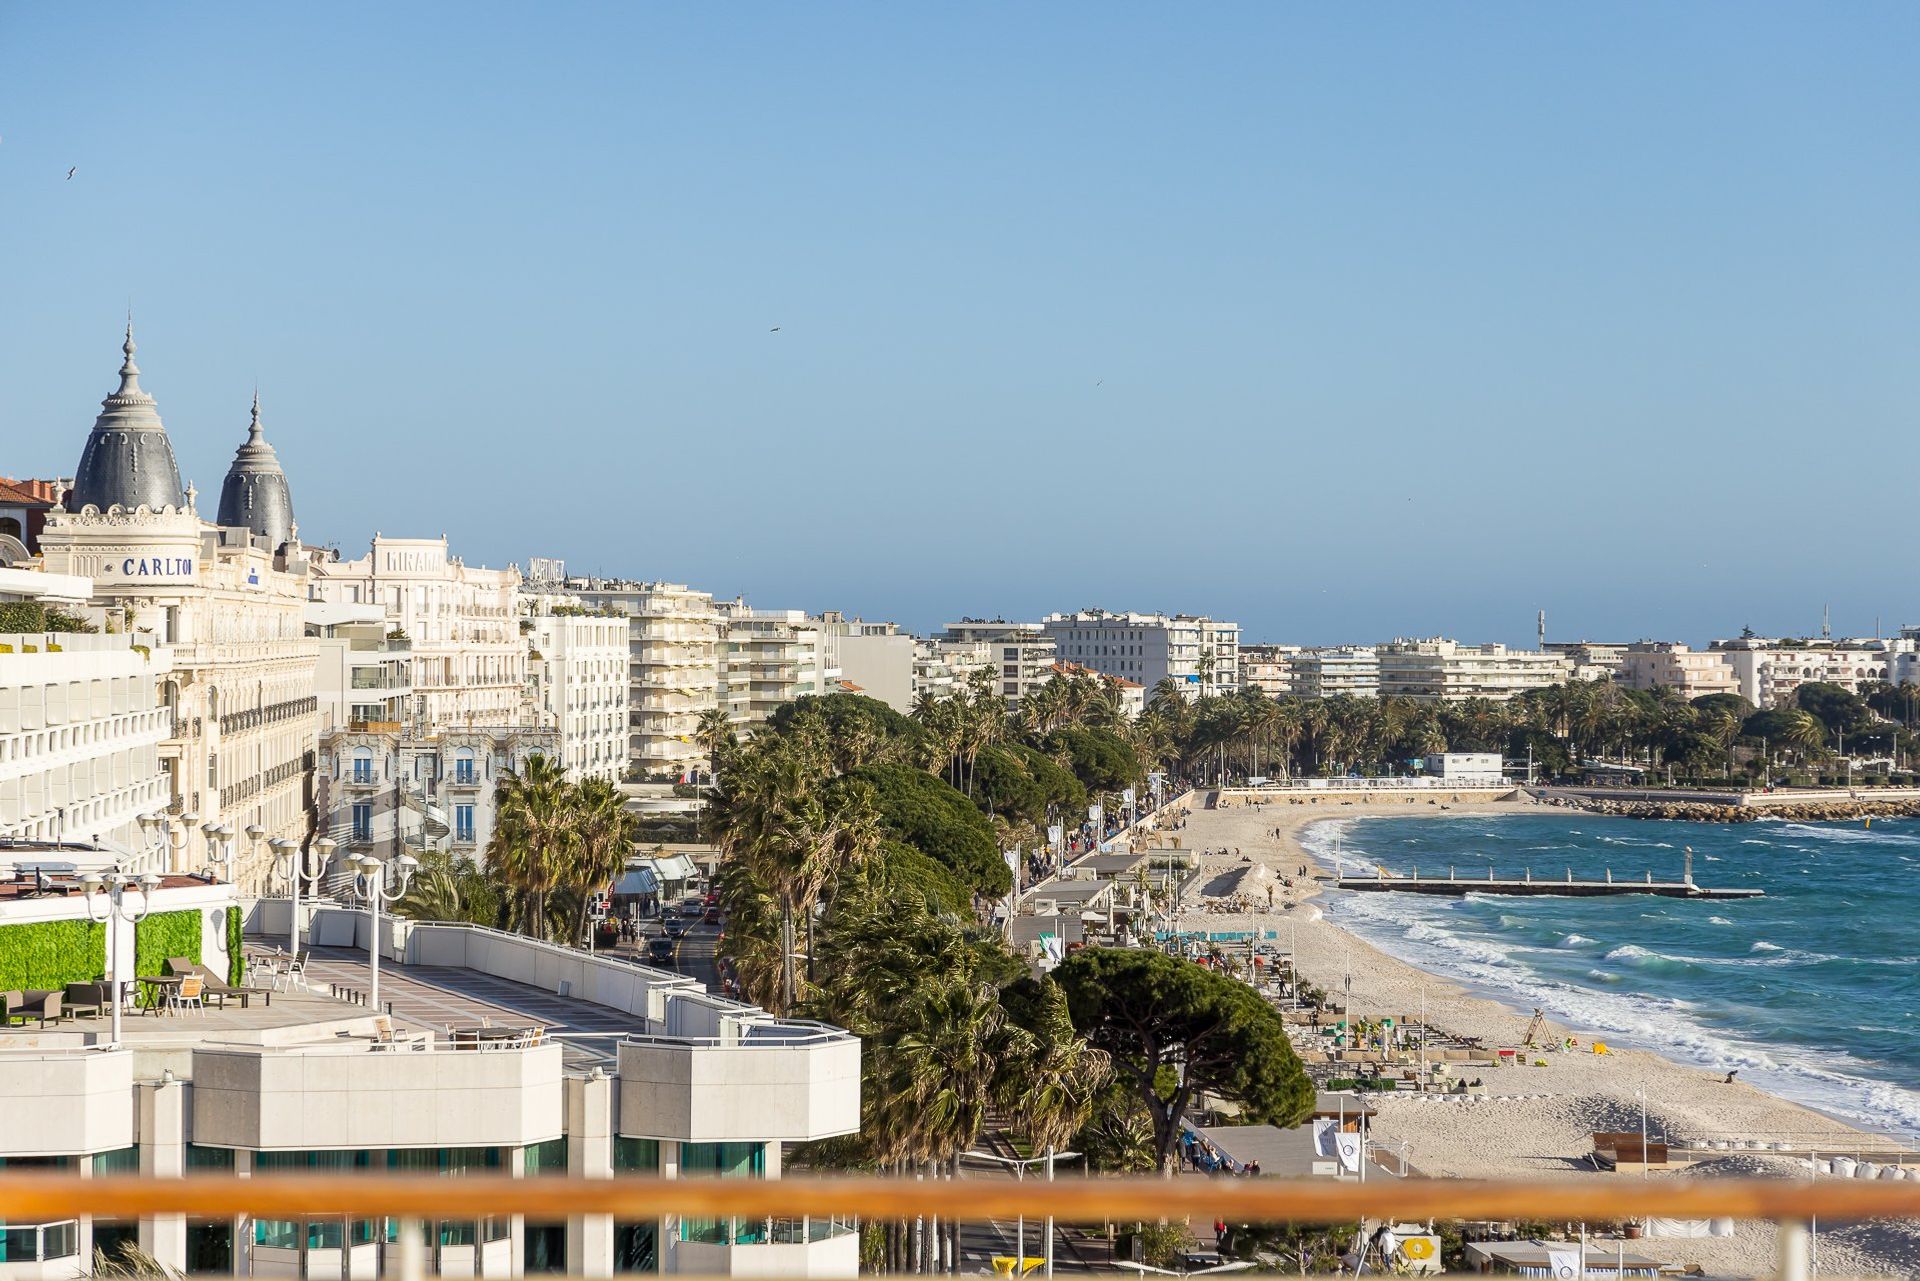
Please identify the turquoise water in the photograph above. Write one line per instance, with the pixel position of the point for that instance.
(1810, 992)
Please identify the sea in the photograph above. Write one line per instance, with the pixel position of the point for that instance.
(1812, 992)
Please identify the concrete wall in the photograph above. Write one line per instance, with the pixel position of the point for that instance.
(356, 1098)
(754, 1091)
(60, 1102)
(835, 1257)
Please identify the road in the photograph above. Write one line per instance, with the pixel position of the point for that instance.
(693, 954)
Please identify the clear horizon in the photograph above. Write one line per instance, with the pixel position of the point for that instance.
(1341, 329)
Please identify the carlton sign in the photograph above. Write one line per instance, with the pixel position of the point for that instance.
(146, 569)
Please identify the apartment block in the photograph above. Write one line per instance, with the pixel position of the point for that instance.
(1441, 670)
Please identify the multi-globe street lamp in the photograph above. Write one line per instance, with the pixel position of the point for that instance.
(378, 883)
(108, 892)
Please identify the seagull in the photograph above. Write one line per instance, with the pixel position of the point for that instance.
(774, 330)
(71, 172)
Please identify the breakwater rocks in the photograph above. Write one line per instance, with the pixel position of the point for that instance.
(1706, 812)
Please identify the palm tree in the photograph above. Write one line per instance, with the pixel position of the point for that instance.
(793, 834)
(716, 738)
(532, 834)
(604, 835)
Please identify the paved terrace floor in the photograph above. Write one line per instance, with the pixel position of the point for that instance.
(434, 998)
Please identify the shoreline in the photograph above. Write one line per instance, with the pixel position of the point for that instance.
(1538, 1121)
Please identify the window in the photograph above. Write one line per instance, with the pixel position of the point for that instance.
(550, 1157)
(463, 823)
(636, 1156)
(463, 766)
(362, 821)
(363, 765)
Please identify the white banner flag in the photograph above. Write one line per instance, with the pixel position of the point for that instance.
(1564, 1263)
(1330, 1140)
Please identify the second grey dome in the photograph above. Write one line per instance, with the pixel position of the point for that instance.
(255, 495)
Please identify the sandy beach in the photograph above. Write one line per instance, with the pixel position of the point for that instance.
(1535, 1121)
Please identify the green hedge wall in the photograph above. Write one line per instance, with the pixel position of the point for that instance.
(162, 935)
(51, 954)
(236, 959)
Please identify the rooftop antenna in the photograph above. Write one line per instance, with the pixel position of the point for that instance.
(1826, 622)
(1543, 631)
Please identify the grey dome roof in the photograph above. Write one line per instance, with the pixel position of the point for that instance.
(255, 494)
(128, 459)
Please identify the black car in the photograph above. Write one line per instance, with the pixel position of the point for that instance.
(662, 950)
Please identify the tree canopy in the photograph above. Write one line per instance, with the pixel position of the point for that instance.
(1150, 1011)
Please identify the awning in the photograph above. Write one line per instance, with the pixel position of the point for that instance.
(636, 881)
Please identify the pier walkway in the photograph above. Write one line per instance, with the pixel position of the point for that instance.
(1568, 887)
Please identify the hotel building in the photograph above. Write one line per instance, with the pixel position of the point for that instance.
(224, 600)
(469, 661)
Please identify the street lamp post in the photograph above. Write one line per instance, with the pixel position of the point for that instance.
(292, 862)
(1019, 1165)
(109, 892)
(219, 849)
(373, 885)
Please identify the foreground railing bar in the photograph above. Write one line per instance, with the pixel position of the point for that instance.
(29, 1196)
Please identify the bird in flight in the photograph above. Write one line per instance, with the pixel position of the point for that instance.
(774, 330)
(71, 172)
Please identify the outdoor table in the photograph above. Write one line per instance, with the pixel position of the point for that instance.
(160, 984)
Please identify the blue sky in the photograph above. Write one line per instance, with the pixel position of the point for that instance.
(1343, 321)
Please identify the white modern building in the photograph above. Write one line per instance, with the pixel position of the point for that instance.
(1670, 665)
(1441, 670)
(224, 600)
(769, 657)
(577, 667)
(944, 669)
(1769, 672)
(1200, 654)
(673, 668)
(1340, 671)
(569, 1065)
(878, 657)
(469, 662)
(363, 674)
(81, 726)
(1021, 655)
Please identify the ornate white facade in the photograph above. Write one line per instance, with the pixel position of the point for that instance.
(469, 661)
